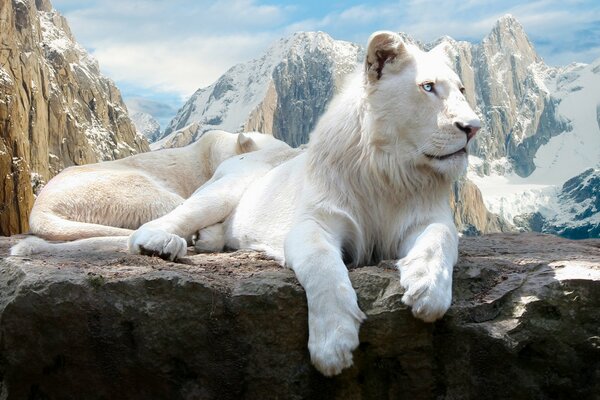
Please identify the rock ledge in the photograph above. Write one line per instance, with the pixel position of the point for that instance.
(524, 324)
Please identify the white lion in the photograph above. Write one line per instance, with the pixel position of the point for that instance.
(373, 184)
(113, 198)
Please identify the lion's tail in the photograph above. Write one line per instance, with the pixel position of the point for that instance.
(34, 245)
(53, 227)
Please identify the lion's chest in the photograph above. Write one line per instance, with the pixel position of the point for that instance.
(384, 227)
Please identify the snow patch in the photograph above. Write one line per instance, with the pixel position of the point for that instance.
(571, 270)
(5, 77)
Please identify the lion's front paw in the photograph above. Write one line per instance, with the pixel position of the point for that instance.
(333, 335)
(156, 242)
(428, 287)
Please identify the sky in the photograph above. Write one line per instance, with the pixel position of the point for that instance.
(159, 52)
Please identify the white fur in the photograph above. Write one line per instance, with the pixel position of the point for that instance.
(35, 245)
(114, 198)
(372, 185)
(210, 239)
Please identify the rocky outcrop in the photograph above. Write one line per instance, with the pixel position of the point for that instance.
(306, 80)
(523, 325)
(182, 137)
(56, 109)
(471, 217)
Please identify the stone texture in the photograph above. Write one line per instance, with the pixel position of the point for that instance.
(56, 110)
(104, 325)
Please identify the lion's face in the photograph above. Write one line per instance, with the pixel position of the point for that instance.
(418, 104)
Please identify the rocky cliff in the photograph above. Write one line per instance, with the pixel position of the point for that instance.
(523, 325)
(56, 109)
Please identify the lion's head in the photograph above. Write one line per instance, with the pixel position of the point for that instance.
(417, 104)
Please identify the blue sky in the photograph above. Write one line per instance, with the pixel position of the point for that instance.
(160, 51)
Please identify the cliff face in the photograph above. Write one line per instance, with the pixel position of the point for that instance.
(470, 214)
(105, 325)
(56, 109)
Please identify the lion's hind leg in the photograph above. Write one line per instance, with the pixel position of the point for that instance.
(211, 239)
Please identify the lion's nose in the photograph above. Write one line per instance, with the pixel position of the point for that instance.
(470, 128)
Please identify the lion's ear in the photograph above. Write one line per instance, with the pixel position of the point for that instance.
(384, 47)
(445, 52)
(246, 143)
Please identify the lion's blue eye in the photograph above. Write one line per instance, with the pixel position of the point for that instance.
(428, 87)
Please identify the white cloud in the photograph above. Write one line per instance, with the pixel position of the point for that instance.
(172, 45)
(180, 66)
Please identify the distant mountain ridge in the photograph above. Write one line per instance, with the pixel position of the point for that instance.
(146, 126)
(285, 91)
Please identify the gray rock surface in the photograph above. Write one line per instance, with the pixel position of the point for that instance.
(107, 325)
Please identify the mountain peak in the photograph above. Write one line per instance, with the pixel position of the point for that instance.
(146, 125)
(508, 24)
(509, 37)
(301, 43)
(508, 19)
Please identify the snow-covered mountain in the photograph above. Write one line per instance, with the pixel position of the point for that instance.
(146, 125)
(573, 211)
(578, 207)
(560, 158)
(282, 92)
